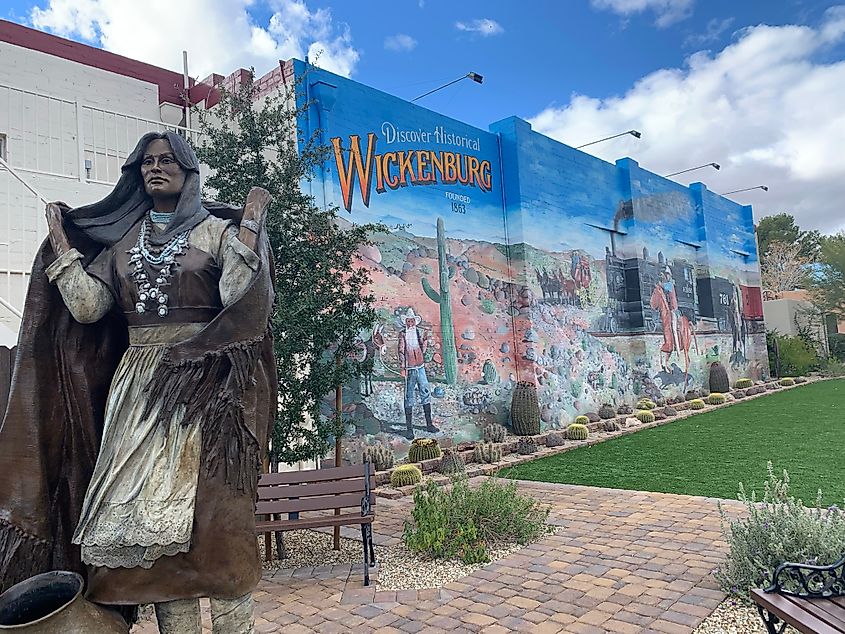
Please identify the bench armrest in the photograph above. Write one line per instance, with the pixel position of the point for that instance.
(809, 581)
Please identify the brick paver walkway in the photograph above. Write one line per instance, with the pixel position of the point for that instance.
(624, 561)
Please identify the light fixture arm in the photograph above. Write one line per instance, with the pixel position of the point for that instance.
(634, 133)
(715, 166)
(471, 75)
(747, 189)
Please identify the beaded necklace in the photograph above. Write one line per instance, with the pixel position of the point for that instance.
(165, 257)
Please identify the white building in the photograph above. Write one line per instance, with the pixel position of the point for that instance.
(69, 116)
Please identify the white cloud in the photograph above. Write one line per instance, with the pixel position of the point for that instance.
(219, 36)
(714, 30)
(400, 42)
(481, 26)
(764, 108)
(668, 11)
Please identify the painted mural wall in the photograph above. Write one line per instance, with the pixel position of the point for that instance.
(516, 257)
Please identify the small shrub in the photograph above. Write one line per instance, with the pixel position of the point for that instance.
(834, 368)
(582, 420)
(464, 523)
(692, 395)
(405, 475)
(555, 439)
(452, 463)
(487, 453)
(787, 381)
(645, 403)
(716, 398)
(494, 433)
(644, 416)
(607, 411)
(624, 410)
(696, 403)
(743, 384)
(776, 530)
(756, 389)
(526, 445)
(577, 431)
(791, 355)
(424, 449)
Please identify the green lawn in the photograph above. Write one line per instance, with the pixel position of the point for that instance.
(801, 430)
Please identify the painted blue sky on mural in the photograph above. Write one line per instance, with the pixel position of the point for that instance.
(704, 81)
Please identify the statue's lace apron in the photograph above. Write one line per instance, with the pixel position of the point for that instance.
(140, 502)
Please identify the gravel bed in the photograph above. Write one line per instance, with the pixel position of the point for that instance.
(734, 618)
(399, 569)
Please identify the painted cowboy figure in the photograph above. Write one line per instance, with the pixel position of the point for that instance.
(144, 389)
(413, 343)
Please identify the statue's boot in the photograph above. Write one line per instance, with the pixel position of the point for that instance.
(429, 426)
(179, 617)
(233, 616)
(409, 423)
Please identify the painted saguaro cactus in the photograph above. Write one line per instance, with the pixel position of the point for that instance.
(447, 329)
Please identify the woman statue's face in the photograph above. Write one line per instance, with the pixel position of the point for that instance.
(163, 176)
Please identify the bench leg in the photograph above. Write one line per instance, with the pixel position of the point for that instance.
(771, 621)
(370, 541)
(366, 555)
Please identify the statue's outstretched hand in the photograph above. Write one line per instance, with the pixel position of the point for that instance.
(255, 211)
(58, 238)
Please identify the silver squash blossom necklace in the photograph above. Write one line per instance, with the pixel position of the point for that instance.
(150, 292)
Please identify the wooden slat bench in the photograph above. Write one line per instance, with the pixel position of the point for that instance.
(283, 499)
(809, 598)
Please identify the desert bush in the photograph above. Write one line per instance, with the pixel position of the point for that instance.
(464, 523)
(776, 530)
(796, 356)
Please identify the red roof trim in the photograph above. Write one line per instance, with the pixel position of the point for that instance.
(169, 82)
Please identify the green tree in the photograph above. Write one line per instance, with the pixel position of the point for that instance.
(322, 302)
(782, 228)
(828, 281)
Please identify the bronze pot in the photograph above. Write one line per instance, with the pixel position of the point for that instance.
(52, 603)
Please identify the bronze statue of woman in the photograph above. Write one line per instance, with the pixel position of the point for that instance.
(143, 394)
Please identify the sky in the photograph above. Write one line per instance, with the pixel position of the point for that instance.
(757, 86)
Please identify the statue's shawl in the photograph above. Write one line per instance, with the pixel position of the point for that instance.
(51, 431)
